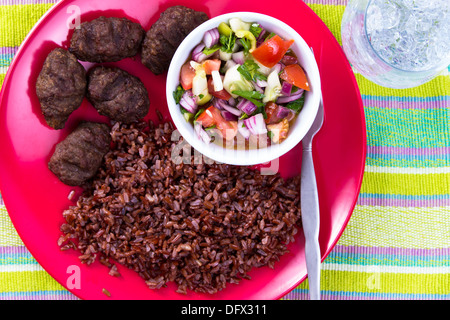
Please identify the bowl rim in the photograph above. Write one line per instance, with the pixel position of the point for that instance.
(230, 155)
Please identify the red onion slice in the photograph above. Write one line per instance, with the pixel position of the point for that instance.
(201, 133)
(286, 88)
(256, 124)
(228, 116)
(211, 37)
(292, 97)
(246, 106)
(197, 53)
(232, 110)
(219, 103)
(261, 83)
(243, 129)
(188, 102)
(283, 112)
(278, 67)
(238, 57)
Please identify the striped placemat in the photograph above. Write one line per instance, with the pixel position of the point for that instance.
(397, 243)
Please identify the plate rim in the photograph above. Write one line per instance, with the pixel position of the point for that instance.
(348, 68)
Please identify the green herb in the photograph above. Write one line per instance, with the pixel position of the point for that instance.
(199, 112)
(249, 70)
(296, 105)
(253, 96)
(201, 96)
(246, 44)
(211, 127)
(178, 93)
(270, 134)
(272, 34)
(262, 110)
(227, 42)
(255, 29)
(208, 51)
(242, 117)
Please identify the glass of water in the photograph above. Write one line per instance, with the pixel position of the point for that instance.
(397, 43)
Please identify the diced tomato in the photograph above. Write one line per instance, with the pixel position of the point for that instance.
(295, 75)
(211, 65)
(271, 109)
(228, 129)
(212, 116)
(222, 94)
(270, 52)
(206, 118)
(279, 130)
(187, 74)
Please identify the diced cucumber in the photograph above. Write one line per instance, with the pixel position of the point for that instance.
(237, 24)
(273, 89)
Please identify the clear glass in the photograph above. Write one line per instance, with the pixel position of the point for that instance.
(397, 43)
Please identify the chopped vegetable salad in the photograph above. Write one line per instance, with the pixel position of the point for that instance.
(241, 81)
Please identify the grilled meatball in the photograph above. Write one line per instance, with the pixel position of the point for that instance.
(106, 40)
(117, 94)
(166, 34)
(78, 157)
(60, 87)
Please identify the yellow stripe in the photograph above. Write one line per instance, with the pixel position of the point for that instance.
(17, 20)
(439, 86)
(331, 15)
(398, 227)
(2, 77)
(27, 281)
(406, 184)
(8, 235)
(385, 283)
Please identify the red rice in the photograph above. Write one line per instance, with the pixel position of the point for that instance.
(199, 225)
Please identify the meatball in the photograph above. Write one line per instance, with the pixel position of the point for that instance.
(107, 40)
(117, 94)
(166, 34)
(78, 157)
(60, 87)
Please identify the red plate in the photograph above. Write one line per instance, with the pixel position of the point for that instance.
(35, 198)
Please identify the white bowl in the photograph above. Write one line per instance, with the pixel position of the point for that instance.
(303, 121)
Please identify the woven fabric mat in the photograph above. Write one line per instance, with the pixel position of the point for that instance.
(397, 242)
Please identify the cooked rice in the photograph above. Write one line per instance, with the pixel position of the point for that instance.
(199, 225)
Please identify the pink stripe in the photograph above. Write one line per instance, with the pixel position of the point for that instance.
(439, 252)
(405, 203)
(408, 151)
(405, 104)
(8, 50)
(13, 249)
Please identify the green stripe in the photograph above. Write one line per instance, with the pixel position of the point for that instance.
(402, 283)
(331, 15)
(386, 161)
(408, 127)
(18, 20)
(398, 227)
(386, 260)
